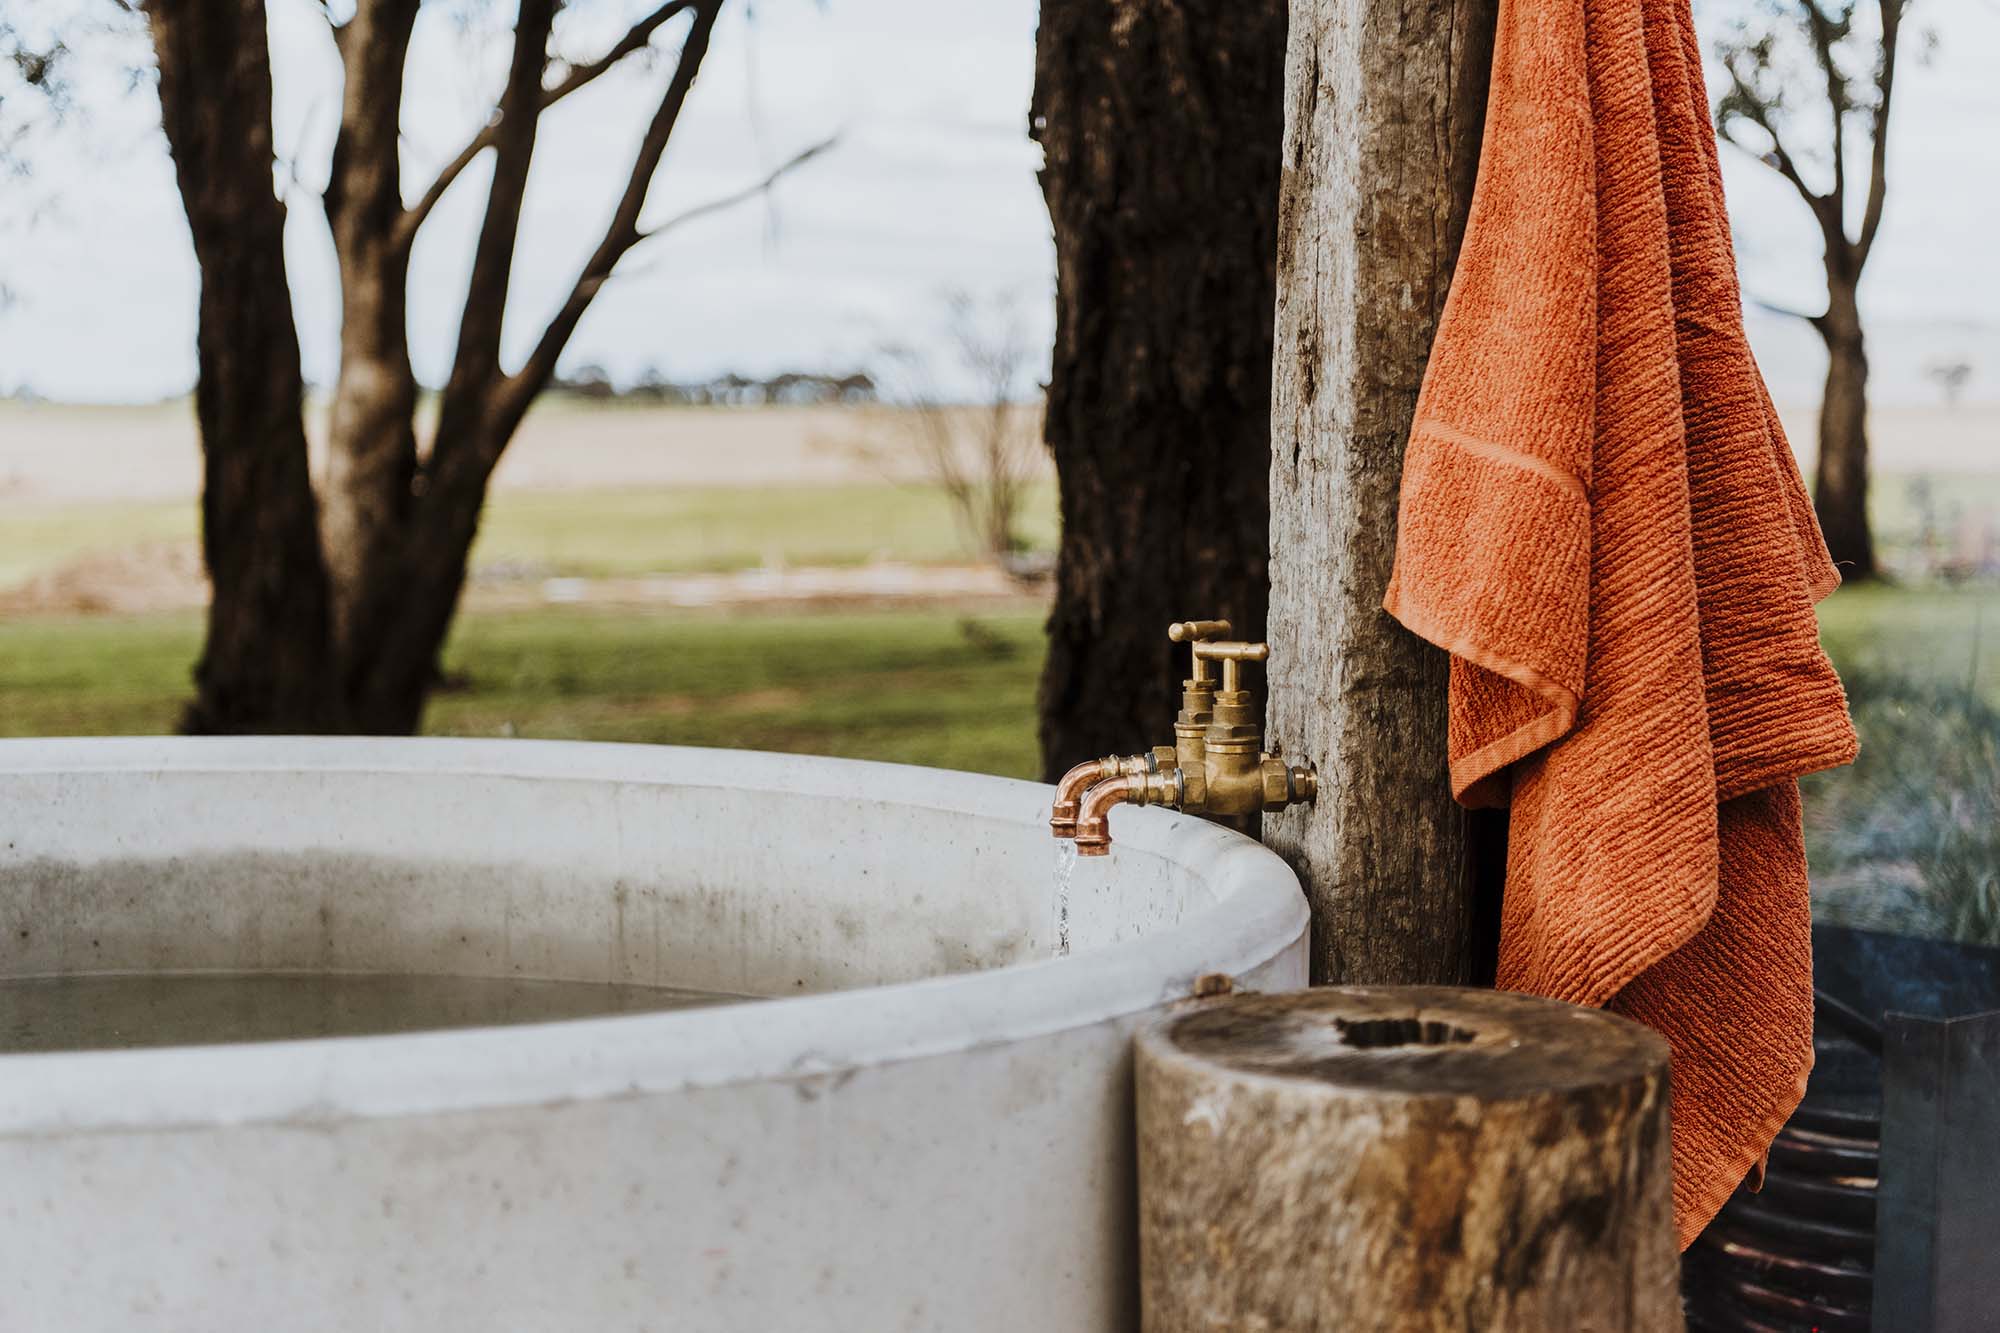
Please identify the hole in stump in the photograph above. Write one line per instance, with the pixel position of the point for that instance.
(1378, 1033)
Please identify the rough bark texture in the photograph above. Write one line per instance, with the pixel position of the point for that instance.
(1404, 1159)
(264, 665)
(1840, 483)
(1383, 108)
(332, 618)
(1159, 121)
(371, 435)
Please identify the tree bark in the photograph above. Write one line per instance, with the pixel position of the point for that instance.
(1159, 122)
(411, 566)
(1840, 484)
(1404, 1159)
(1383, 109)
(265, 665)
(371, 436)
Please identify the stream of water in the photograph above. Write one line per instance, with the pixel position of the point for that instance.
(1066, 859)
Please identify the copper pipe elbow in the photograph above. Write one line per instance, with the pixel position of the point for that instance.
(1069, 793)
(1093, 824)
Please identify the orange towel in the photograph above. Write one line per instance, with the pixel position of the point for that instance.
(1602, 522)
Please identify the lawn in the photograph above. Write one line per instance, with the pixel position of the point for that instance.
(1947, 637)
(925, 687)
(1908, 839)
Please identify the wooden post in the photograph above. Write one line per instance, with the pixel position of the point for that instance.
(1384, 100)
(1404, 1158)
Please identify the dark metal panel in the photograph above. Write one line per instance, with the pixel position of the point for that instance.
(1937, 1266)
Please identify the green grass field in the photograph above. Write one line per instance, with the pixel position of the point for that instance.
(1908, 838)
(928, 686)
(1938, 636)
(922, 687)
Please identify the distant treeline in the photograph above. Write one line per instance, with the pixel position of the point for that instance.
(789, 389)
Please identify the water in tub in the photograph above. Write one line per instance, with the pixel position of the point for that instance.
(101, 1012)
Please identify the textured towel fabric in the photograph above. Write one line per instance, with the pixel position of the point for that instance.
(1602, 523)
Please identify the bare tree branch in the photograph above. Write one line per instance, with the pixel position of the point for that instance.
(476, 364)
(1826, 34)
(1745, 103)
(638, 36)
(1749, 105)
(1773, 308)
(979, 453)
(1885, 84)
(735, 197)
(516, 391)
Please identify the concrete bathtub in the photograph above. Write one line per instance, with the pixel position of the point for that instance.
(927, 1130)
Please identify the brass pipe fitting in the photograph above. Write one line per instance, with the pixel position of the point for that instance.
(1069, 793)
(1078, 781)
(1093, 825)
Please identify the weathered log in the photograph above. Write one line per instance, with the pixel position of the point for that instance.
(1370, 1159)
(1384, 101)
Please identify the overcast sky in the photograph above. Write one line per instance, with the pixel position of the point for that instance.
(932, 186)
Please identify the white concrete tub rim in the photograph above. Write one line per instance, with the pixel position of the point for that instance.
(326, 1080)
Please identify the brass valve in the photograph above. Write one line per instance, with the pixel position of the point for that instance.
(1236, 776)
(1217, 765)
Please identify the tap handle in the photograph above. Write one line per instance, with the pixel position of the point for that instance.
(1232, 655)
(1196, 632)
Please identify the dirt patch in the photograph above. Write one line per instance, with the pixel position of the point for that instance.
(887, 583)
(153, 576)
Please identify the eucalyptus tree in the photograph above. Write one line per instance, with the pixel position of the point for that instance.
(1808, 92)
(331, 601)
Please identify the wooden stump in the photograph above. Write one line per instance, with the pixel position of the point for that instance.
(1390, 1158)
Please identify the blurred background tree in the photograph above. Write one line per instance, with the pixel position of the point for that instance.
(976, 437)
(329, 610)
(1809, 85)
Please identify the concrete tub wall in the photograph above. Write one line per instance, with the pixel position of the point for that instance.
(931, 1133)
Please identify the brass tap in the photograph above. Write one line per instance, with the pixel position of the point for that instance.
(1217, 766)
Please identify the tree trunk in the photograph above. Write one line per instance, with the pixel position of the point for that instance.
(337, 624)
(1840, 487)
(1383, 109)
(265, 666)
(1160, 123)
(1404, 1159)
(371, 438)
(390, 685)
(402, 578)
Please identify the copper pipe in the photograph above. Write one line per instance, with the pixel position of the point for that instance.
(1069, 793)
(1093, 825)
